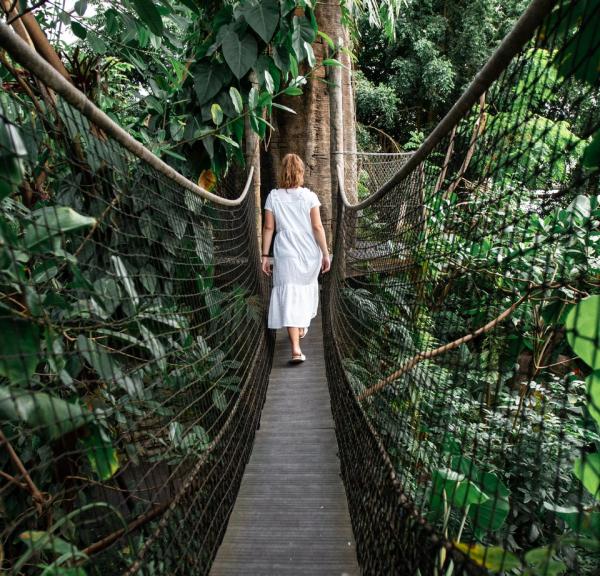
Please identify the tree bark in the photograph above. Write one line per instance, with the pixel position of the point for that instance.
(307, 133)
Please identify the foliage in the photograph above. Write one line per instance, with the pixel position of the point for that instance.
(439, 47)
(375, 104)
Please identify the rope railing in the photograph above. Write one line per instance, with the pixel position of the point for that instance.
(462, 323)
(134, 354)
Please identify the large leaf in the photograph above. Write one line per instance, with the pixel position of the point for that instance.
(108, 368)
(581, 521)
(493, 558)
(459, 491)
(581, 56)
(48, 415)
(53, 221)
(303, 32)
(208, 80)
(587, 469)
(583, 330)
(150, 15)
(542, 561)
(489, 515)
(240, 53)
(263, 17)
(19, 345)
(204, 242)
(101, 454)
(593, 391)
(12, 174)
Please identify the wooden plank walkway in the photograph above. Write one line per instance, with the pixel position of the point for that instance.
(291, 515)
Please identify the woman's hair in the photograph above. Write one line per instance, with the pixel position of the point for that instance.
(292, 171)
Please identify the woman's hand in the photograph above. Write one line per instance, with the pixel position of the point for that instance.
(266, 265)
(325, 264)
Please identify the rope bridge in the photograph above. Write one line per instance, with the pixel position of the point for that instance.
(133, 350)
(462, 321)
(460, 325)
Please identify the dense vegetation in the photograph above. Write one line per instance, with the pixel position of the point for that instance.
(497, 438)
(406, 85)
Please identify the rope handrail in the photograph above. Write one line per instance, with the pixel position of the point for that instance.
(498, 62)
(33, 62)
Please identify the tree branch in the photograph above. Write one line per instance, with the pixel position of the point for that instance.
(26, 11)
(114, 536)
(38, 497)
(412, 362)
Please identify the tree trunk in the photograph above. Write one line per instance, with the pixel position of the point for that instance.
(307, 133)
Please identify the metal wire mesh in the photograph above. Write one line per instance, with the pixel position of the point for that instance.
(462, 330)
(133, 351)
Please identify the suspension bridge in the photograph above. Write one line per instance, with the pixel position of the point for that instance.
(441, 424)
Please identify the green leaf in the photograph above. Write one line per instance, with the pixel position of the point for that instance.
(269, 84)
(108, 368)
(96, 43)
(228, 140)
(593, 392)
(293, 91)
(303, 32)
(466, 494)
(80, 7)
(155, 346)
(310, 55)
(40, 540)
(216, 114)
(125, 278)
(208, 80)
(580, 57)
(101, 454)
(262, 16)
(219, 399)
(78, 30)
(583, 330)
(253, 98)
(204, 242)
(150, 15)
(491, 557)
(327, 39)
(47, 415)
(332, 62)
(236, 98)
(19, 347)
(591, 156)
(581, 206)
(54, 221)
(489, 515)
(240, 54)
(282, 107)
(541, 560)
(587, 469)
(581, 521)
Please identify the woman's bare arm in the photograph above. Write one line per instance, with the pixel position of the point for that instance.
(267, 237)
(319, 234)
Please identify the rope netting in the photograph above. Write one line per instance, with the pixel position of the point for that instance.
(462, 320)
(133, 350)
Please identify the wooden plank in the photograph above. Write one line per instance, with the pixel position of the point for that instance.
(291, 515)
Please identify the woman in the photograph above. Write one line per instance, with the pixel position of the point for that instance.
(299, 253)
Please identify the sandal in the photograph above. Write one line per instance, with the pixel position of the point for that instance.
(305, 333)
(298, 358)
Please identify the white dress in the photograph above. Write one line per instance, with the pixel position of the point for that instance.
(296, 258)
